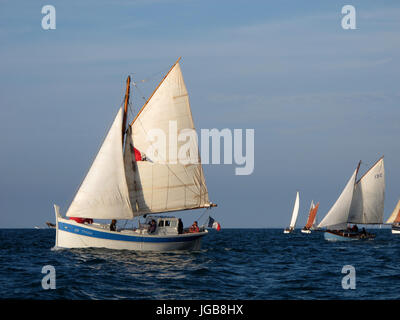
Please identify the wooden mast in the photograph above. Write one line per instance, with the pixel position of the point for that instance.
(128, 82)
(155, 90)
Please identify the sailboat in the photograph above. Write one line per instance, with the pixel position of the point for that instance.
(310, 225)
(361, 202)
(124, 182)
(394, 219)
(295, 213)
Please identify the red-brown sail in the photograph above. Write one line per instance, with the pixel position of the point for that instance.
(311, 217)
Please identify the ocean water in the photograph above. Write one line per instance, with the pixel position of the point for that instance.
(232, 264)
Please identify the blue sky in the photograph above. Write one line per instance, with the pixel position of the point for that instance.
(319, 97)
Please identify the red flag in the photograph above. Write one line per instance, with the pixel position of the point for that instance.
(213, 224)
(138, 155)
(216, 225)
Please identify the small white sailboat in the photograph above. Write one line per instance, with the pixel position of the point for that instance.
(361, 202)
(394, 219)
(295, 213)
(311, 225)
(123, 183)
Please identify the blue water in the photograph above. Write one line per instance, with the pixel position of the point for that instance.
(232, 264)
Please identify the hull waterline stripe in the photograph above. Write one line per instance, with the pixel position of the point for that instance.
(123, 237)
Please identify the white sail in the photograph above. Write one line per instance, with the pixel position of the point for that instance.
(394, 214)
(295, 212)
(164, 183)
(337, 216)
(312, 206)
(369, 195)
(103, 193)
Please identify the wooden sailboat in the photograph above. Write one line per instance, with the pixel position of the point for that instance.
(310, 225)
(123, 182)
(394, 219)
(361, 202)
(295, 213)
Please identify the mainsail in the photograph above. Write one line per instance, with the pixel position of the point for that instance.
(295, 212)
(103, 193)
(312, 215)
(369, 195)
(159, 176)
(360, 202)
(395, 216)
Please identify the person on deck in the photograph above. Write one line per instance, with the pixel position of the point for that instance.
(113, 225)
(152, 227)
(180, 226)
(194, 227)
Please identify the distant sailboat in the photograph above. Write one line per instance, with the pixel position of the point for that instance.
(50, 225)
(310, 225)
(394, 219)
(295, 213)
(361, 202)
(123, 183)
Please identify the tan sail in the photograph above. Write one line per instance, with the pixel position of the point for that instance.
(395, 216)
(164, 182)
(337, 216)
(369, 195)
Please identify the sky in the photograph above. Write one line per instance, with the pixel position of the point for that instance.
(319, 97)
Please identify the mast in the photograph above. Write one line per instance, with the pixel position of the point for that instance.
(145, 104)
(126, 103)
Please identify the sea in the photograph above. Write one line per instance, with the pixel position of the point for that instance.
(245, 264)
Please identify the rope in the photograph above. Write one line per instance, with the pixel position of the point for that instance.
(205, 210)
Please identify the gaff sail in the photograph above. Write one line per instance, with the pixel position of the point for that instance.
(369, 194)
(166, 182)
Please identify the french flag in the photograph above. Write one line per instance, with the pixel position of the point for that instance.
(138, 154)
(213, 224)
